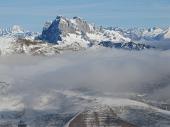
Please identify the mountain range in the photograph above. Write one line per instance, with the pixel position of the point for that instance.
(75, 34)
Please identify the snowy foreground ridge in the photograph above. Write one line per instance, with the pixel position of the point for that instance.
(76, 34)
(82, 111)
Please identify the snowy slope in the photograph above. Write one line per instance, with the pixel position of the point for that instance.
(6, 45)
(13, 30)
(167, 34)
(64, 108)
(144, 34)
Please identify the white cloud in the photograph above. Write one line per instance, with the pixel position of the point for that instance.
(114, 71)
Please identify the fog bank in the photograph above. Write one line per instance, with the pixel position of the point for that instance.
(114, 71)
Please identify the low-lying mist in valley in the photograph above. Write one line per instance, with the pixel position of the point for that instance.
(104, 70)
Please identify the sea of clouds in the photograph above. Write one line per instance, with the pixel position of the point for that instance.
(104, 70)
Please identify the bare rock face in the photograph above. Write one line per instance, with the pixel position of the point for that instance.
(102, 117)
(82, 25)
(128, 45)
(51, 32)
(61, 26)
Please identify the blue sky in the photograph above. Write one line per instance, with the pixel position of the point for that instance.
(31, 14)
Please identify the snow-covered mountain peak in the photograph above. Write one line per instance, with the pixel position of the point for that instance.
(167, 34)
(61, 19)
(155, 29)
(47, 25)
(67, 31)
(17, 29)
(12, 30)
(152, 32)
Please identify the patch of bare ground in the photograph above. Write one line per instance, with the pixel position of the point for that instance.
(100, 118)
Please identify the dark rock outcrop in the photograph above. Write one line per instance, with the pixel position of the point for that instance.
(128, 45)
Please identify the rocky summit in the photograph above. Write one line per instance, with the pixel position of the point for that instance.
(61, 27)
